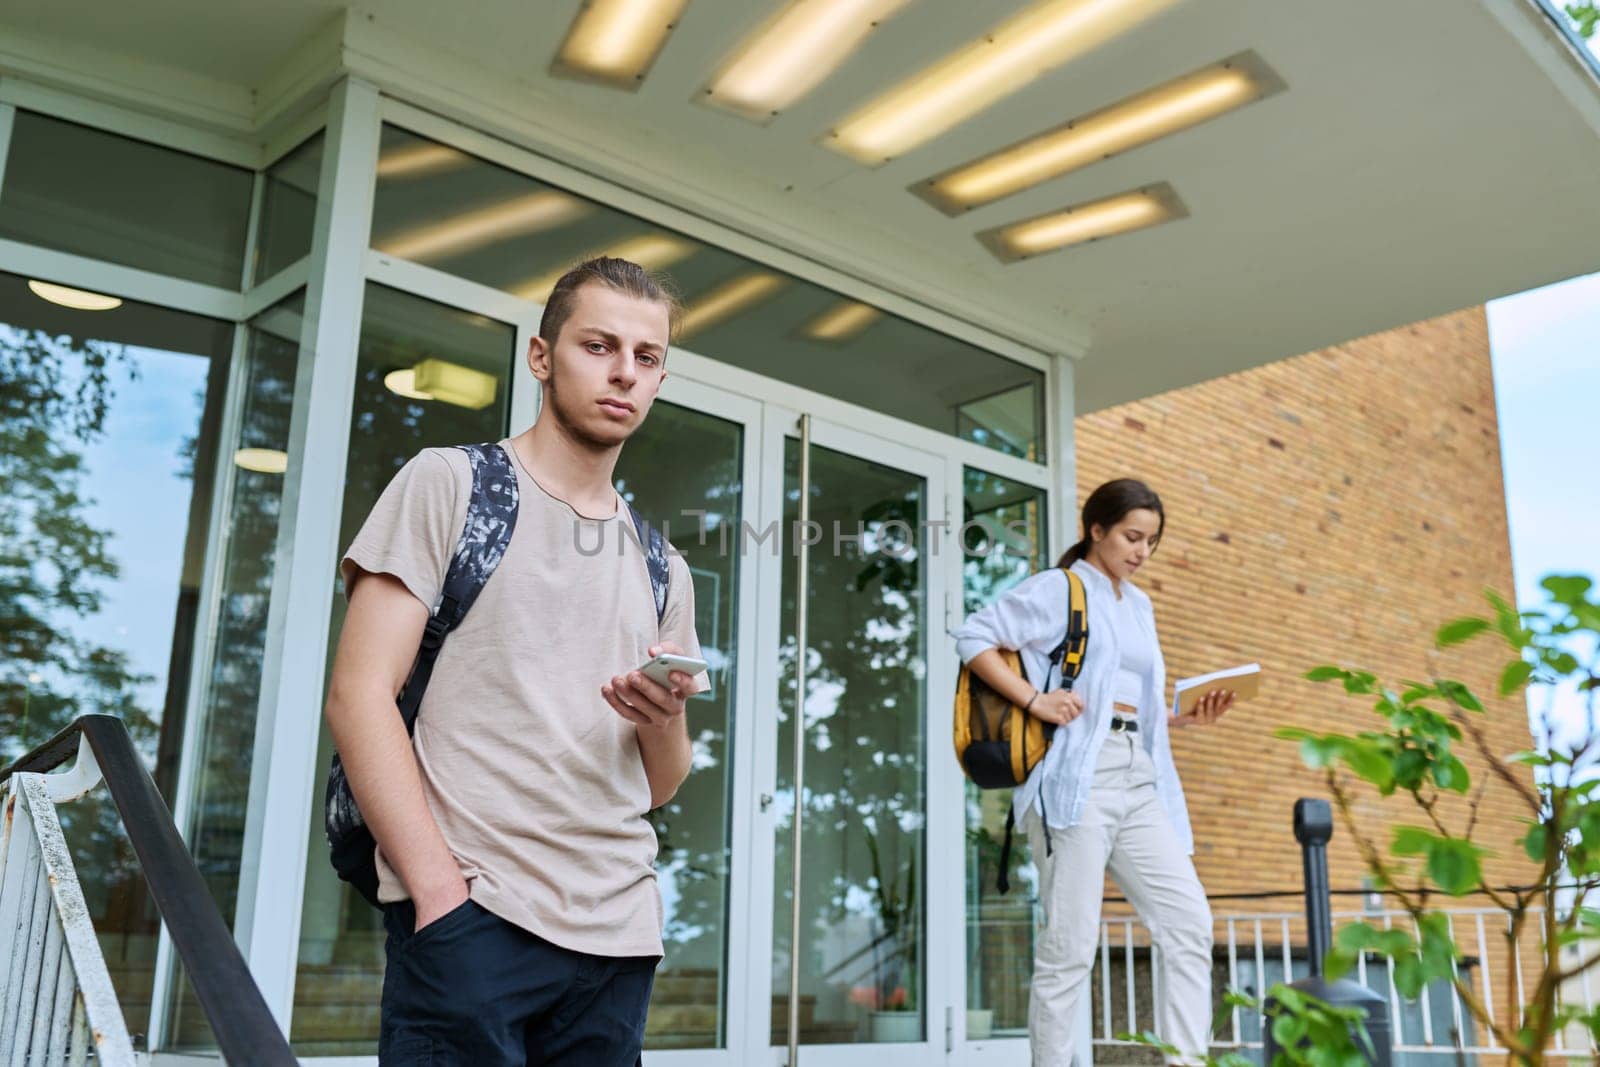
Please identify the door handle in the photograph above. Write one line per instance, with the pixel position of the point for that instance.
(766, 801)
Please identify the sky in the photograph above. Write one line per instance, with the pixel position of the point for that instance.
(1545, 346)
(135, 477)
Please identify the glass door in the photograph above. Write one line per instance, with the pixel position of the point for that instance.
(691, 470)
(860, 967)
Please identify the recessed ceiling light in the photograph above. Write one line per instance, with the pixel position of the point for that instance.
(420, 160)
(653, 251)
(262, 460)
(1031, 43)
(1090, 221)
(543, 210)
(842, 322)
(727, 300)
(793, 52)
(76, 299)
(615, 41)
(1138, 120)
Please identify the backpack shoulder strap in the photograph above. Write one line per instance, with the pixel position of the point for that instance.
(655, 560)
(491, 517)
(1069, 653)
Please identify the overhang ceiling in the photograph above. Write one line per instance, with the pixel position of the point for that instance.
(1424, 156)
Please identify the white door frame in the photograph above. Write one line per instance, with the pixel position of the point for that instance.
(741, 1007)
(871, 437)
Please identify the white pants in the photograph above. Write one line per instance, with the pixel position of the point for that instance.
(1125, 830)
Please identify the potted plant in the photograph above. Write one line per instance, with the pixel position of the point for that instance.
(892, 1004)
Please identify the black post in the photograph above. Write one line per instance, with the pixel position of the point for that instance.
(1313, 828)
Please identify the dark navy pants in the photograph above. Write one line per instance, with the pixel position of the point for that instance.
(472, 989)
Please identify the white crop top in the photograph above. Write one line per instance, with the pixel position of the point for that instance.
(1137, 646)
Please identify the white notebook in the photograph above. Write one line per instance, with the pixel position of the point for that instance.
(1245, 682)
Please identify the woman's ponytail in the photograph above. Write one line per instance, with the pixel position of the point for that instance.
(1074, 554)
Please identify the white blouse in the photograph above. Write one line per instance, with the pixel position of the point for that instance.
(1031, 617)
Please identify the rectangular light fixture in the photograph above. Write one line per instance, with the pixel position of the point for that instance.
(843, 322)
(543, 210)
(793, 53)
(614, 42)
(1031, 43)
(1092, 221)
(653, 251)
(1138, 120)
(455, 384)
(727, 300)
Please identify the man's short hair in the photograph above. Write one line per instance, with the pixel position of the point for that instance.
(619, 274)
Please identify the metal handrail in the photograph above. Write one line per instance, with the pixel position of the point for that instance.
(245, 1029)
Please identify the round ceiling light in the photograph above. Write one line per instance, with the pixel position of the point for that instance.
(403, 382)
(77, 299)
(262, 460)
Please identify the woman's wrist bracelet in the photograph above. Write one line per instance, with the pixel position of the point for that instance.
(1029, 705)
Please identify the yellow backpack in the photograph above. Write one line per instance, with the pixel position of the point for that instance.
(998, 743)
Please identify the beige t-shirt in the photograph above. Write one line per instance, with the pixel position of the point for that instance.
(537, 784)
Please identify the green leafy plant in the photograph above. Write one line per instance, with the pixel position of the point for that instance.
(1412, 751)
(1585, 17)
(1309, 1032)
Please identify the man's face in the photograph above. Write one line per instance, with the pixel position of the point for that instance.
(606, 366)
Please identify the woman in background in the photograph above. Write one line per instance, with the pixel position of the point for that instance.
(1106, 796)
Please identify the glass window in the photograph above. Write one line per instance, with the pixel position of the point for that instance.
(680, 462)
(1003, 541)
(340, 975)
(108, 443)
(1006, 422)
(257, 457)
(863, 860)
(288, 209)
(96, 194)
(448, 210)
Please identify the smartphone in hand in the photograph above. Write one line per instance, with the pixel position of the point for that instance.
(657, 668)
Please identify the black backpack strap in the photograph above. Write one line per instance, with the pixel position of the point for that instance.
(655, 560)
(1003, 882)
(491, 517)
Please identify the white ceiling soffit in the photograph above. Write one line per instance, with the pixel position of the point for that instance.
(1417, 158)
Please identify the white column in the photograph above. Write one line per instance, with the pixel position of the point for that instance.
(284, 776)
(1061, 409)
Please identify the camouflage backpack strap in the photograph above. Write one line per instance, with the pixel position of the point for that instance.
(655, 560)
(491, 518)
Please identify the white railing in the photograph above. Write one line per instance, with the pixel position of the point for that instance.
(56, 1000)
(1262, 949)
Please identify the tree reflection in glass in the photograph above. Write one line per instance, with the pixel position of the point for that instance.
(108, 426)
(680, 464)
(863, 891)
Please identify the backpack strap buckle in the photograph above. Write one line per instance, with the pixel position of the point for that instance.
(434, 632)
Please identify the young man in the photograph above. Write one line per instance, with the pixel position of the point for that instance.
(515, 862)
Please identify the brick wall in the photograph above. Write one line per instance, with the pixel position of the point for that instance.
(1335, 507)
